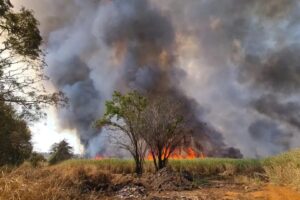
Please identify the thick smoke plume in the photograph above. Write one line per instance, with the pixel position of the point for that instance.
(233, 63)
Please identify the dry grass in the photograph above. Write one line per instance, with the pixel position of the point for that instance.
(86, 179)
(248, 180)
(52, 183)
(284, 169)
(114, 166)
(91, 179)
(205, 167)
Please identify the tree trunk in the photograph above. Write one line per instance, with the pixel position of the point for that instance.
(138, 166)
(162, 163)
(154, 160)
(159, 160)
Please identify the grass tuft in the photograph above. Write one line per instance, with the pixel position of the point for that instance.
(284, 169)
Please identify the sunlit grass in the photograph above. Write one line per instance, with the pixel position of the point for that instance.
(118, 166)
(284, 169)
(214, 166)
(207, 166)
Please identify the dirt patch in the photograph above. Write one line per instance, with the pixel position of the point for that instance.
(168, 180)
(271, 192)
(230, 192)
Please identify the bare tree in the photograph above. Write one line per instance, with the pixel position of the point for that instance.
(164, 128)
(123, 116)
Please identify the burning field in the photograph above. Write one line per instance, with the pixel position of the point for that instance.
(179, 154)
(169, 99)
(182, 154)
(235, 73)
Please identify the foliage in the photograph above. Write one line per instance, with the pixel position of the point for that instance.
(123, 115)
(36, 158)
(21, 64)
(22, 95)
(60, 151)
(15, 146)
(154, 124)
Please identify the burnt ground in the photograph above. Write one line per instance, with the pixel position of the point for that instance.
(227, 191)
(167, 185)
(215, 191)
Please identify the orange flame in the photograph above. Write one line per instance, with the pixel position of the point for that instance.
(181, 154)
(99, 157)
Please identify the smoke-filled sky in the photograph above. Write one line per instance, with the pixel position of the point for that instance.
(234, 63)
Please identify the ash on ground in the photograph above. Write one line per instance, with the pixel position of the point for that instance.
(163, 180)
(168, 180)
(132, 192)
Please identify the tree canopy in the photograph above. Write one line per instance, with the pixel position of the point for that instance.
(22, 93)
(15, 136)
(154, 125)
(123, 115)
(60, 151)
(22, 64)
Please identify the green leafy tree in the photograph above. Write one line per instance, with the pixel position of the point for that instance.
(60, 152)
(15, 146)
(22, 95)
(22, 63)
(122, 116)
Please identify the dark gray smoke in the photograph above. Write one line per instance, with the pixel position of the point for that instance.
(278, 72)
(244, 51)
(265, 130)
(287, 112)
(234, 63)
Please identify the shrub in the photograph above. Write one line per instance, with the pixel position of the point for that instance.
(284, 169)
(36, 158)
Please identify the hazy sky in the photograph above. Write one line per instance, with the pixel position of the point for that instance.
(46, 132)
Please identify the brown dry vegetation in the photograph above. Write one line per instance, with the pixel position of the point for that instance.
(110, 179)
(28, 183)
(284, 169)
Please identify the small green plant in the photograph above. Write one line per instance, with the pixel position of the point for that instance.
(36, 158)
